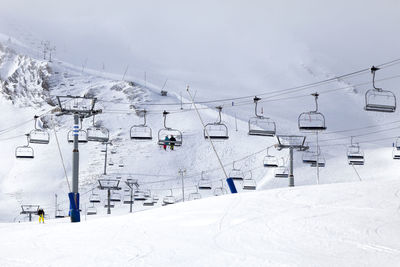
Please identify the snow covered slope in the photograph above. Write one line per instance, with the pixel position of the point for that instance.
(345, 224)
(36, 181)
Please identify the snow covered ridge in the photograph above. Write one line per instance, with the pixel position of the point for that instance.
(23, 80)
(346, 224)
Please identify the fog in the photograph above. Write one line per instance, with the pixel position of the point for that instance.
(211, 44)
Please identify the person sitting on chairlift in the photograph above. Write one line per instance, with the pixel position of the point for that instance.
(166, 142)
(172, 143)
(41, 215)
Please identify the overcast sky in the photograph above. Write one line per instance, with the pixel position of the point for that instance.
(210, 44)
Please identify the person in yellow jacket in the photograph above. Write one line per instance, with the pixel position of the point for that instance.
(41, 215)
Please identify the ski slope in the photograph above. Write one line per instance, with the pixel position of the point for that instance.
(344, 224)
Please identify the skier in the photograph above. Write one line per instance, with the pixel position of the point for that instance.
(41, 215)
(166, 143)
(172, 143)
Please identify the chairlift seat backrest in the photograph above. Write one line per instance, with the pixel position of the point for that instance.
(97, 134)
(380, 100)
(216, 131)
(311, 121)
(24, 152)
(141, 132)
(38, 136)
(261, 126)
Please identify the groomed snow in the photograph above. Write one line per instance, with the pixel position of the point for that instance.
(344, 224)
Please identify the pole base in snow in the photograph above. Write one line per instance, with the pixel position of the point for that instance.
(231, 185)
(74, 207)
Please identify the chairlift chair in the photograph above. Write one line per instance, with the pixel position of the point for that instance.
(127, 198)
(139, 195)
(111, 205)
(249, 183)
(115, 197)
(313, 120)
(82, 135)
(94, 198)
(397, 143)
(377, 99)
(168, 132)
(149, 201)
(282, 171)
(169, 199)
(113, 151)
(204, 183)
(270, 161)
(236, 174)
(141, 131)
(97, 134)
(355, 155)
(110, 162)
(38, 136)
(220, 190)
(216, 130)
(91, 210)
(396, 153)
(24, 152)
(195, 195)
(260, 125)
(121, 163)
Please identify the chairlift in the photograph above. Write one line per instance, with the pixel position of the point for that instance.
(312, 120)
(195, 195)
(113, 151)
(115, 197)
(156, 198)
(38, 136)
(377, 99)
(355, 155)
(94, 198)
(147, 193)
(82, 135)
(270, 161)
(110, 162)
(236, 174)
(121, 163)
(139, 195)
(91, 210)
(127, 198)
(396, 153)
(167, 132)
(249, 183)
(282, 171)
(204, 183)
(260, 125)
(111, 205)
(169, 199)
(24, 152)
(141, 131)
(97, 134)
(149, 201)
(220, 190)
(216, 130)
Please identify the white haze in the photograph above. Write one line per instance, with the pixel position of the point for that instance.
(212, 44)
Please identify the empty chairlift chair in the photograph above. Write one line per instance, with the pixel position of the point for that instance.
(169, 199)
(249, 183)
(97, 133)
(216, 130)
(312, 157)
(204, 183)
(82, 135)
(236, 174)
(141, 131)
(94, 198)
(149, 201)
(38, 136)
(166, 133)
(260, 125)
(139, 195)
(312, 121)
(270, 161)
(282, 171)
(115, 197)
(91, 210)
(355, 156)
(195, 195)
(396, 153)
(127, 197)
(24, 152)
(220, 190)
(377, 99)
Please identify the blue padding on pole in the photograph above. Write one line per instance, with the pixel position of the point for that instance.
(74, 207)
(232, 186)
